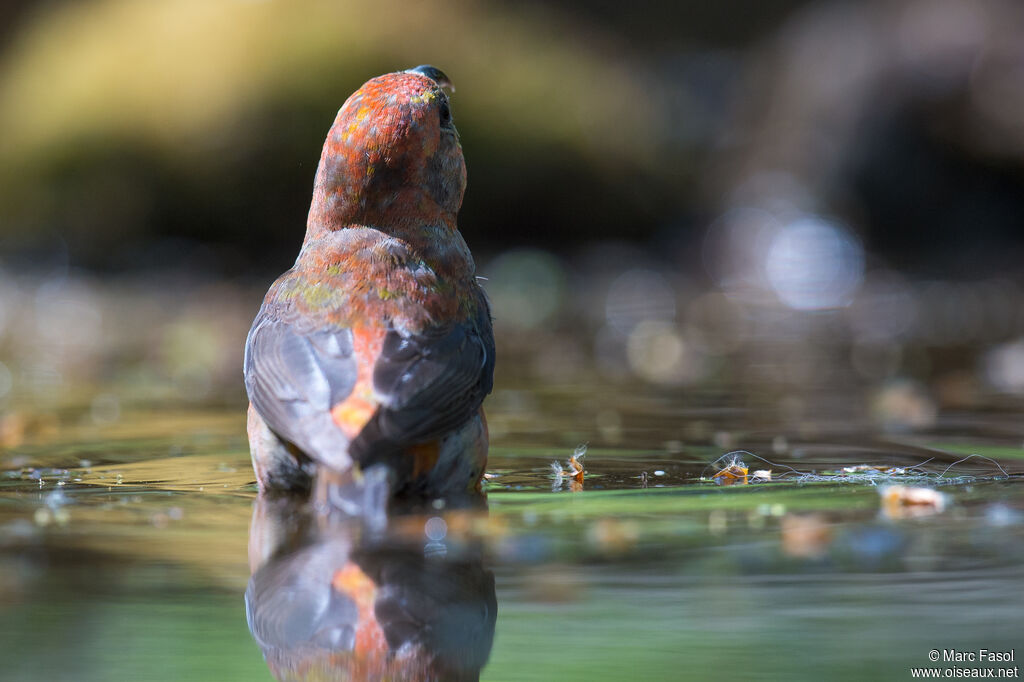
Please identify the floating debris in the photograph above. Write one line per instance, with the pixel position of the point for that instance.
(871, 469)
(734, 473)
(558, 476)
(730, 469)
(575, 463)
(964, 459)
(901, 501)
(573, 471)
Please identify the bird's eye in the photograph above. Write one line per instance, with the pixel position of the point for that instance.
(446, 114)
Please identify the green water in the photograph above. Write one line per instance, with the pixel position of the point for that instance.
(133, 564)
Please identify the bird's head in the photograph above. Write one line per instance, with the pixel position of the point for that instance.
(392, 159)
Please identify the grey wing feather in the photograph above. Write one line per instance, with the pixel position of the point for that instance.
(294, 378)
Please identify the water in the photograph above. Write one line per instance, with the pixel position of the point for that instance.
(135, 563)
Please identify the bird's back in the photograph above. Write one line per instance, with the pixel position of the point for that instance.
(368, 340)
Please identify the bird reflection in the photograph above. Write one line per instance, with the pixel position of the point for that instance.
(330, 599)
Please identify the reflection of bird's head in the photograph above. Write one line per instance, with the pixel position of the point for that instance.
(392, 156)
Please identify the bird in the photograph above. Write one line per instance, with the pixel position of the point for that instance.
(368, 363)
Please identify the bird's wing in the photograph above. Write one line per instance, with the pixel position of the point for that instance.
(431, 382)
(294, 377)
(425, 383)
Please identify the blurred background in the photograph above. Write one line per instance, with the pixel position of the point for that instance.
(767, 200)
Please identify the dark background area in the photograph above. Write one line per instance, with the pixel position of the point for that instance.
(674, 111)
(767, 199)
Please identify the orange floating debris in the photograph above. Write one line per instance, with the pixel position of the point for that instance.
(734, 473)
(575, 467)
(901, 501)
(573, 470)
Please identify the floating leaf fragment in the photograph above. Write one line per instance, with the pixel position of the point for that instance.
(734, 473)
(573, 470)
(574, 465)
(901, 501)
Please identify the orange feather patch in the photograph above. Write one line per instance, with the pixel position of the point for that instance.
(352, 414)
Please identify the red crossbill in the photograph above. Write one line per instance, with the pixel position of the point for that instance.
(376, 347)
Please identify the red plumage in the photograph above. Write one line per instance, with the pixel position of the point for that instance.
(375, 351)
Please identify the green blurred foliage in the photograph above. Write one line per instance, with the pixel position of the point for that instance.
(203, 120)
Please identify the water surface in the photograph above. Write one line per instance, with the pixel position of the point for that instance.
(126, 549)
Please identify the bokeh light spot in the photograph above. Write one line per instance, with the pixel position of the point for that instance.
(814, 265)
